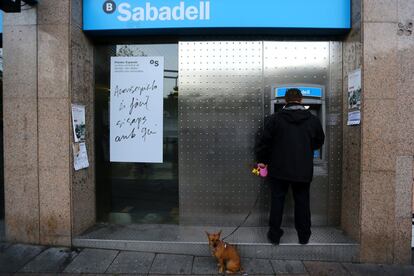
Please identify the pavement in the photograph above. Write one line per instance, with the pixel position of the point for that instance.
(21, 259)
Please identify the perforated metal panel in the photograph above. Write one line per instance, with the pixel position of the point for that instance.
(313, 63)
(334, 133)
(220, 109)
(224, 96)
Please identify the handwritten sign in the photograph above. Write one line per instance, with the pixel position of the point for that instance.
(136, 109)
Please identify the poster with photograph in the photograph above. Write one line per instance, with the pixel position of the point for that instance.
(80, 156)
(354, 97)
(78, 122)
(136, 109)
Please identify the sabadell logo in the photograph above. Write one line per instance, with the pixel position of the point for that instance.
(148, 12)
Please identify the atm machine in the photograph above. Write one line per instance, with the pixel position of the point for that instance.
(313, 99)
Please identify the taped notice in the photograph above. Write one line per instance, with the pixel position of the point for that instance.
(136, 109)
(80, 156)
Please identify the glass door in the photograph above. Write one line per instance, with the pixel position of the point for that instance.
(145, 193)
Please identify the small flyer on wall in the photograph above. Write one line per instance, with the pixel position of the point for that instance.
(78, 120)
(354, 98)
(80, 156)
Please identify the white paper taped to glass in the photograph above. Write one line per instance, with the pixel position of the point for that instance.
(136, 109)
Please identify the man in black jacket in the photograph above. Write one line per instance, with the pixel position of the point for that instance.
(286, 146)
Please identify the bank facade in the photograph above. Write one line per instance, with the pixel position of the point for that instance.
(225, 67)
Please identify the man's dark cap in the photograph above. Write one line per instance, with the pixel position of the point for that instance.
(293, 95)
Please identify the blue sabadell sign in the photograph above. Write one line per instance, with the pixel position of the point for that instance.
(306, 91)
(99, 15)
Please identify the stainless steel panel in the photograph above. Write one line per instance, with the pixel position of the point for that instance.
(220, 109)
(224, 96)
(334, 130)
(312, 63)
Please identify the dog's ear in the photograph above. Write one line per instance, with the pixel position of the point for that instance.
(207, 233)
(219, 233)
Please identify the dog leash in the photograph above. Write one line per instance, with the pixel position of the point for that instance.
(245, 219)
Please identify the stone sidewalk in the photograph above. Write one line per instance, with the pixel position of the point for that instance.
(20, 259)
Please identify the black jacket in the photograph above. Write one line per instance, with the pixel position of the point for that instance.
(287, 144)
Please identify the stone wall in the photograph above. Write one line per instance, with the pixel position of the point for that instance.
(48, 66)
(352, 60)
(387, 131)
(20, 117)
(54, 128)
(82, 92)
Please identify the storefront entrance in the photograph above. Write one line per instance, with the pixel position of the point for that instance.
(216, 97)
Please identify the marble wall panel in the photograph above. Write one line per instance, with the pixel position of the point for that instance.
(55, 216)
(52, 12)
(380, 61)
(53, 76)
(405, 11)
(28, 16)
(20, 134)
(379, 120)
(82, 92)
(22, 204)
(387, 116)
(20, 128)
(402, 241)
(54, 131)
(380, 10)
(377, 216)
(352, 59)
(20, 62)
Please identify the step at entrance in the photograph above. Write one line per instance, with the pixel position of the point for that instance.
(326, 243)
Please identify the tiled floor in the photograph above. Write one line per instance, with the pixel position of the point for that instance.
(20, 258)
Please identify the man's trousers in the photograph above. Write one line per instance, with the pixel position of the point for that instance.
(300, 190)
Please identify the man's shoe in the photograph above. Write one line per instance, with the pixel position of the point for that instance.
(304, 240)
(273, 240)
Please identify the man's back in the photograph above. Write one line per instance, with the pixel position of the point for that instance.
(287, 144)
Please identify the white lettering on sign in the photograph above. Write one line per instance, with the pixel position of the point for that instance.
(165, 13)
(109, 7)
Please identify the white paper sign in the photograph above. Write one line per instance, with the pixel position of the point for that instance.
(78, 122)
(354, 97)
(80, 156)
(136, 109)
(354, 118)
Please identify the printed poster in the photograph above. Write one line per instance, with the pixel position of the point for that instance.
(80, 156)
(78, 122)
(354, 98)
(136, 109)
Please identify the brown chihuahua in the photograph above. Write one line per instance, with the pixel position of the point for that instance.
(227, 256)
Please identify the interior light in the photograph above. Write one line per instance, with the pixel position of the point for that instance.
(307, 106)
